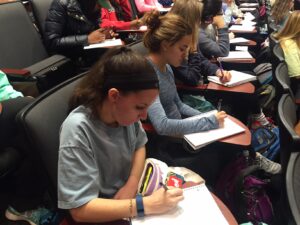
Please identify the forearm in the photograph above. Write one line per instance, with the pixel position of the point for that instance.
(137, 167)
(103, 210)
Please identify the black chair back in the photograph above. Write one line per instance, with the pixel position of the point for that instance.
(283, 82)
(293, 185)
(139, 47)
(41, 123)
(40, 10)
(287, 119)
(20, 43)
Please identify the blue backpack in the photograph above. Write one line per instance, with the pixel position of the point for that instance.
(266, 141)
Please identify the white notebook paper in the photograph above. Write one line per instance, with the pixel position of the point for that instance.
(237, 78)
(249, 5)
(241, 28)
(248, 16)
(197, 207)
(238, 40)
(198, 140)
(247, 9)
(236, 55)
(106, 44)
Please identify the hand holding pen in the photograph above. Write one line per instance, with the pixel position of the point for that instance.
(220, 115)
(224, 75)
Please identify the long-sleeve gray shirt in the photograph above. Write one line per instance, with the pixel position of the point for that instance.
(167, 113)
(214, 47)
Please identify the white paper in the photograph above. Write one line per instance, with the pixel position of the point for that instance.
(247, 9)
(248, 23)
(237, 78)
(236, 55)
(249, 5)
(241, 48)
(248, 16)
(197, 207)
(238, 40)
(241, 28)
(105, 44)
(164, 9)
(198, 140)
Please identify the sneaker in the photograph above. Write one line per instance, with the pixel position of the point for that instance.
(31, 216)
(267, 165)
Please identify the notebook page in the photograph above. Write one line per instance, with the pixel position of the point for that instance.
(237, 55)
(198, 140)
(241, 28)
(198, 207)
(238, 40)
(105, 44)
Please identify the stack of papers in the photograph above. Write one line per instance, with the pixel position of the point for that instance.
(237, 78)
(237, 55)
(248, 16)
(108, 43)
(197, 207)
(198, 140)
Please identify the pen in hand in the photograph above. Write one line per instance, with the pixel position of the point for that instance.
(221, 67)
(219, 106)
(164, 186)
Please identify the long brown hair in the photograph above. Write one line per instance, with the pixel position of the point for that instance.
(291, 29)
(119, 68)
(170, 28)
(191, 12)
(280, 10)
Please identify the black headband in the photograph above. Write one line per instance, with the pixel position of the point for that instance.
(132, 82)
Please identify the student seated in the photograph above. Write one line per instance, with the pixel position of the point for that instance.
(196, 65)
(116, 14)
(231, 11)
(214, 36)
(289, 38)
(72, 24)
(168, 39)
(102, 143)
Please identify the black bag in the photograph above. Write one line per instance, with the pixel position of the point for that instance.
(51, 71)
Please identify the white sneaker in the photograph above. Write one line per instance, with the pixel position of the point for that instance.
(267, 165)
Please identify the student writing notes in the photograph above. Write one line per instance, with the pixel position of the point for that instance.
(102, 153)
(168, 39)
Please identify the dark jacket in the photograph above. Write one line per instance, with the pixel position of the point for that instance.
(67, 28)
(190, 71)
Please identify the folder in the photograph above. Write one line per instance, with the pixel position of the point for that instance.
(201, 139)
(237, 78)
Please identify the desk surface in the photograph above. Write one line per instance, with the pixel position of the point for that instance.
(243, 139)
(247, 88)
(248, 43)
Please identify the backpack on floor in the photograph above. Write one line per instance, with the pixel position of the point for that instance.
(266, 141)
(263, 73)
(266, 97)
(242, 187)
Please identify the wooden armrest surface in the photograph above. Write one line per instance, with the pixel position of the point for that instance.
(19, 72)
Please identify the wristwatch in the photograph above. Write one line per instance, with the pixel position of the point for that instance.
(139, 205)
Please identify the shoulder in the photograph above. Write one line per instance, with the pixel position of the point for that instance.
(288, 45)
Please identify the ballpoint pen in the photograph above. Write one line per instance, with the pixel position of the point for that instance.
(221, 67)
(219, 105)
(164, 186)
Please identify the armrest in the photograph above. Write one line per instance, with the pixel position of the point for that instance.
(16, 72)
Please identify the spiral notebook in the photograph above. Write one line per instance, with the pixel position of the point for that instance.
(237, 78)
(198, 207)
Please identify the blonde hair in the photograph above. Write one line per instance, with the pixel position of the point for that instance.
(191, 11)
(280, 9)
(291, 30)
(170, 28)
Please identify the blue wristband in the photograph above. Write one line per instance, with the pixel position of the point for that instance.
(139, 206)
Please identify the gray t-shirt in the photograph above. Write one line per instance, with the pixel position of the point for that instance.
(94, 159)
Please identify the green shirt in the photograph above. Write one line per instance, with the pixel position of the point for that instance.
(6, 90)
